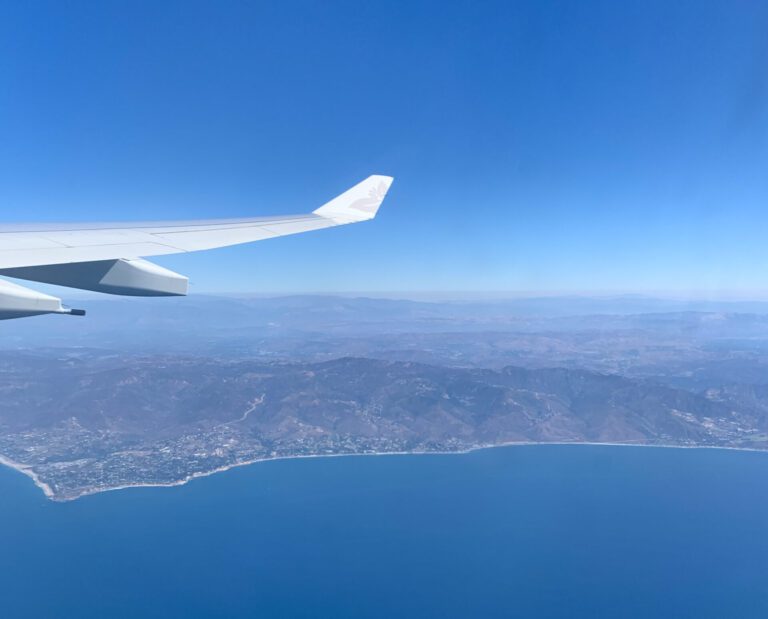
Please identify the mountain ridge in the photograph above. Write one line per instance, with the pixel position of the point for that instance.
(88, 424)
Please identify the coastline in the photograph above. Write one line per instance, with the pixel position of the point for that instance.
(50, 494)
(29, 472)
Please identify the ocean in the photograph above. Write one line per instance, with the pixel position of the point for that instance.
(529, 531)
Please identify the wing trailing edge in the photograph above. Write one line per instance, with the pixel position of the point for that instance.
(109, 257)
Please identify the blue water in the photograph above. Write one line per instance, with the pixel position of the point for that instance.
(552, 531)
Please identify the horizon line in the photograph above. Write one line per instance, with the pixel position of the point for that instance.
(466, 295)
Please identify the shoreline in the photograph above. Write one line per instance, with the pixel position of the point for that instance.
(29, 472)
(50, 494)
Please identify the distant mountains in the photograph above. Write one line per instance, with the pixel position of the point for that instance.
(88, 423)
(151, 325)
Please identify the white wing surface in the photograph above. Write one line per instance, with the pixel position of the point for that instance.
(29, 245)
(108, 257)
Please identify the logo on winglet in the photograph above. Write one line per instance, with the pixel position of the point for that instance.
(371, 202)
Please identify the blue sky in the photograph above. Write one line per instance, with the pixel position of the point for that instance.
(537, 146)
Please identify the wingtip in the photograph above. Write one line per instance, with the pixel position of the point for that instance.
(359, 203)
(382, 177)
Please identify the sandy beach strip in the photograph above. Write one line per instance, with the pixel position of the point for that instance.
(27, 470)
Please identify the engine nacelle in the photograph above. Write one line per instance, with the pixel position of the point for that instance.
(18, 302)
(137, 277)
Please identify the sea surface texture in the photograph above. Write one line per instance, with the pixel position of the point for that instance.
(544, 531)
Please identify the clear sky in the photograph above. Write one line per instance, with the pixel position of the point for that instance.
(536, 146)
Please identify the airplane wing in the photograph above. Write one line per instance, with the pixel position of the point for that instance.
(108, 257)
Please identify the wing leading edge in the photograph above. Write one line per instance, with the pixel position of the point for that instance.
(108, 257)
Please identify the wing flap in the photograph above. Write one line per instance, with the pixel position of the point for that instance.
(198, 240)
(88, 238)
(64, 255)
(9, 242)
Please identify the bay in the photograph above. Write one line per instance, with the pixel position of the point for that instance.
(524, 531)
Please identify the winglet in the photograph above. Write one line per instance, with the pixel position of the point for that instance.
(359, 203)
